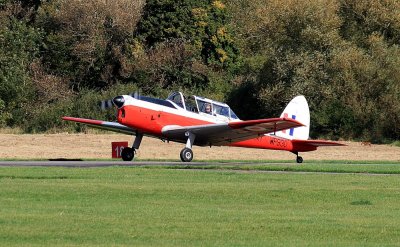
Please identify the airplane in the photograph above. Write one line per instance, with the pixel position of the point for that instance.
(201, 121)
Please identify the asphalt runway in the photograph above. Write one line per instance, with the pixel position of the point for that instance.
(96, 163)
(79, 163)
(178, 164)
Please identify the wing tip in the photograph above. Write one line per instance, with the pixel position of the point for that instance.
(293, 121)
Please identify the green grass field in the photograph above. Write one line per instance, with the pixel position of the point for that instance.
(130, 206)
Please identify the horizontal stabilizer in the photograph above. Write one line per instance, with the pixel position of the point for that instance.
(318, 143)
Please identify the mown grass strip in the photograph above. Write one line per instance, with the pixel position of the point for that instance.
(135, 206)
(313, 167)
(369, 167)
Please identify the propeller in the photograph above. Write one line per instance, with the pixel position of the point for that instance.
(117, 101)
(135, 95)
(106, 104)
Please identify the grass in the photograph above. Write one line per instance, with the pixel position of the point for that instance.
(365, 167)
(396, 143)
(332, 166)
(131, 206)
(14, 131)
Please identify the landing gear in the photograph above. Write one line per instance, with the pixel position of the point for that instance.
(128, 153)
(299, 159)
(187, 153)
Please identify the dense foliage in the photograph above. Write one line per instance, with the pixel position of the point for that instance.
(60, 57)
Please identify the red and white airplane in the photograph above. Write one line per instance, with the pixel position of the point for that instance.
(204, 122)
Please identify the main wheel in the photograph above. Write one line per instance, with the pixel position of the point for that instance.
(299, 159)
(186, 155)
(127, 154)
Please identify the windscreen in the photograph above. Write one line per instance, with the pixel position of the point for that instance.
(233, 115)
(177, 99)
(221, 110)
(191, 105)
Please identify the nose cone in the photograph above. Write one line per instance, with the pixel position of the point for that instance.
(119, 101)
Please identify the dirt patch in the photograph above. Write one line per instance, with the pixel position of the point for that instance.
(76, 146)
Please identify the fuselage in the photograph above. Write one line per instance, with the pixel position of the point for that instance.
(151, 118)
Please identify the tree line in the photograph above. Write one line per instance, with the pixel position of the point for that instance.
(60, 57)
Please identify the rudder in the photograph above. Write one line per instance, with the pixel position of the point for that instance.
(297, 109)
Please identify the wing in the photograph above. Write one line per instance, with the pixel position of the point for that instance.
(112, 126)
(227, 133)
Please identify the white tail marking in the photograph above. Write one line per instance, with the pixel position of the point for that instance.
(297, 109)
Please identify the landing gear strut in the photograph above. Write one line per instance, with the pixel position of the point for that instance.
(128, 153)
(187, 153)
(299, 159)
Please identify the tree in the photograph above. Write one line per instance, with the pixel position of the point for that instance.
(86, 40)
(286, 47)
(341, 55)
(202, 24)
(19, 45)
(363, 18)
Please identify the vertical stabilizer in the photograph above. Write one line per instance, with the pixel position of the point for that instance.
(297, 109)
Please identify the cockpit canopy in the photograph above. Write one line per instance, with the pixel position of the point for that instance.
(202, 106)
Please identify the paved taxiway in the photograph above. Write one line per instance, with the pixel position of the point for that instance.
(79, 163)
(84, 163)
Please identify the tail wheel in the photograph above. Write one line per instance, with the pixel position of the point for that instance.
(127, 154)
(186, 155)
(299, 159)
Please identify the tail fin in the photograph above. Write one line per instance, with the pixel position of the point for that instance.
(297, 109)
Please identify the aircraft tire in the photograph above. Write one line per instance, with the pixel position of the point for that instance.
(127, 154)
(186, 155)
(299, 159)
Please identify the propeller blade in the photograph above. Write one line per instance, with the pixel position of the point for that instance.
(106, 104)
(135, 95)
